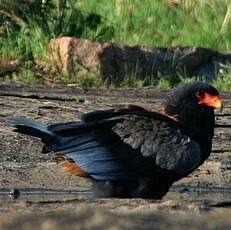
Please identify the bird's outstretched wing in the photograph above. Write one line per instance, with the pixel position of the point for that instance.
(126, 143)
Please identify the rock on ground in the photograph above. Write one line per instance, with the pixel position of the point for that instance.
(74, 55)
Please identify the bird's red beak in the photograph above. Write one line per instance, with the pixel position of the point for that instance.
(210, 100)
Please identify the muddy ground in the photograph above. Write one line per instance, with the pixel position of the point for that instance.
(202, 200)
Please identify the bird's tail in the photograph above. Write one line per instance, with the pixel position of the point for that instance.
(33, 128)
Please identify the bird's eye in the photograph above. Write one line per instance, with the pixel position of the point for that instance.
(199, 93)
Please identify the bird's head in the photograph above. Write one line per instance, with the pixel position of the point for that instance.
(196, 99)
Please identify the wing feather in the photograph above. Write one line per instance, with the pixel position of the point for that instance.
(171, 149)
(128, 146)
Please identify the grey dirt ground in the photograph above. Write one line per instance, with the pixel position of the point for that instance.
(202, 200)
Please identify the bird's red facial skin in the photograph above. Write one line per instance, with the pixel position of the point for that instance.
(210, 100)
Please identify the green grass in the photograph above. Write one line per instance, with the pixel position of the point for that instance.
(156, 23)
(135, 22)
(224, 80)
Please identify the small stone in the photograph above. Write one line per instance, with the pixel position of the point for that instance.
(81, 100)
(14, 193)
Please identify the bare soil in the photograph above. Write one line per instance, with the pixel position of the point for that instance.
(202, 200)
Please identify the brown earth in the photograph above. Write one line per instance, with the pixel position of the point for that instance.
(202, 200)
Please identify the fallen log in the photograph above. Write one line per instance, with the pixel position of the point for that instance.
(108, 60)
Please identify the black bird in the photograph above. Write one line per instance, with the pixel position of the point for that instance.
(130, 151)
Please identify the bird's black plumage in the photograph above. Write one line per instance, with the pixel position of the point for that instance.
(132, 152)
